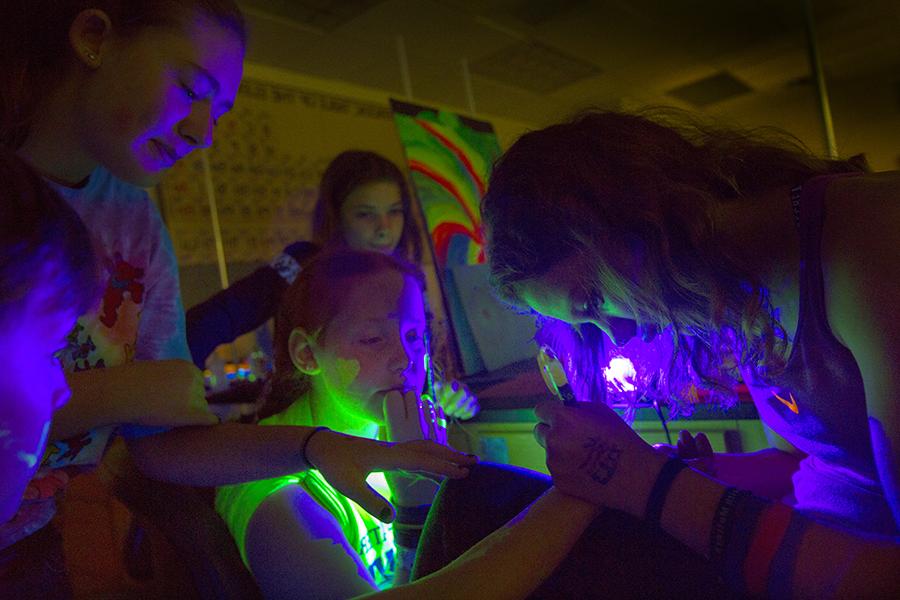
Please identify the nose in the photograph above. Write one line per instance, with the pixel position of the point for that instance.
(401, 359)
(197, 128)
(383, 226)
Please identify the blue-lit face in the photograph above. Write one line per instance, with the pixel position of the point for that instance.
(373, 346)
(561, 294)
(372, 217)
(156, 96)
(32, 385)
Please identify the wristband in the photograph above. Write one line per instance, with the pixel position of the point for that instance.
(664, 480)
(286, 266)
(740, 533)
(723, 521)
(306, 443)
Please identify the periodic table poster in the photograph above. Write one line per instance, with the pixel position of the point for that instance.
(266, 161)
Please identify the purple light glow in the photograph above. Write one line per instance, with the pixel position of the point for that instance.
(636, 372)
(620, 374)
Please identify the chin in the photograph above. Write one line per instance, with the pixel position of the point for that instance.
(136, 174)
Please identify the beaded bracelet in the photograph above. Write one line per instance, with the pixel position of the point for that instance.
(306, 443)
(664, 480)
(723, 521)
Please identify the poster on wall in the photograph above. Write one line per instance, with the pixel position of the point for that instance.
(268, 156)
(449, 157)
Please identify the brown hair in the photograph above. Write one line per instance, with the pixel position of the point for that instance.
(33, 53)
(612, 186)
(314, 299)
(346, 172)
(43, 244)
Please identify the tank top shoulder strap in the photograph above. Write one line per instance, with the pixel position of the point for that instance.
(807, 199)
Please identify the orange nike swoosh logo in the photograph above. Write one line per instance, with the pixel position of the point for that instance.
(791, 405)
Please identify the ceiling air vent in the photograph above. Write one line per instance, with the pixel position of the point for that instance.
(712, 89)
(534, 67)
(323, 15)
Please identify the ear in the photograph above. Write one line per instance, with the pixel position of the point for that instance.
(89, 32)
(300, 348)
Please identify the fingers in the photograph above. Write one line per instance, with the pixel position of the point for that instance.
(429, 457)
(371, 501)
(690, 446)
(424, 408)
(704, 448)
(441, 426)
(666, 449)
(394, 406)
(687, 447)
(540, 434)
(457, 400)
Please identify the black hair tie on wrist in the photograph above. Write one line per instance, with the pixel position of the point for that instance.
(657, 498)
(306, 443)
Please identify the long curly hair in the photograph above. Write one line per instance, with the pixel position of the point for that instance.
(615, 187)
(314, 299)
(346, 172)
(35, 52)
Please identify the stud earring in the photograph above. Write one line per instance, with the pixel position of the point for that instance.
(92, 57)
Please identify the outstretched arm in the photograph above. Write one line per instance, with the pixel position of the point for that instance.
(767, 473)
(235, 453)
(594, 455)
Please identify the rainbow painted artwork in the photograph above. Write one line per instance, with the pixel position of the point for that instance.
(449, 158)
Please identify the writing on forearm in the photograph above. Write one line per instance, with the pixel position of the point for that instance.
(601, 461)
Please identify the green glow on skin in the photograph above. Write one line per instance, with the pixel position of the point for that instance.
(346, 371)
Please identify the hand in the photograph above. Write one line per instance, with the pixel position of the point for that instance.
(594, 455)
(695, 450)
(456, 399)
(410, 417)
(160, 393)
(345, 461)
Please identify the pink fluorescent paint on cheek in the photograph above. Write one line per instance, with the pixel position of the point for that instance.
(347, 371)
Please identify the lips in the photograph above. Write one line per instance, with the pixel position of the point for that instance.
(399, 388)
(166, 153)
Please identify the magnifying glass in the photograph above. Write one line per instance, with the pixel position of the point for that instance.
(555, 377)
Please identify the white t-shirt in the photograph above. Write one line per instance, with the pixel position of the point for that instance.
(140, 317)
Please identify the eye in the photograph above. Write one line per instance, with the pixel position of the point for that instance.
(413, 336)
(371, 341)
(191, 94)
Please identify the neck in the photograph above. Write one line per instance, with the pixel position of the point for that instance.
(54, 147)
(326, 412)
(761, 233)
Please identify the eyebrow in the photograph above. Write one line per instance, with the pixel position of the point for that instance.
(213, 82)
(395, 204)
